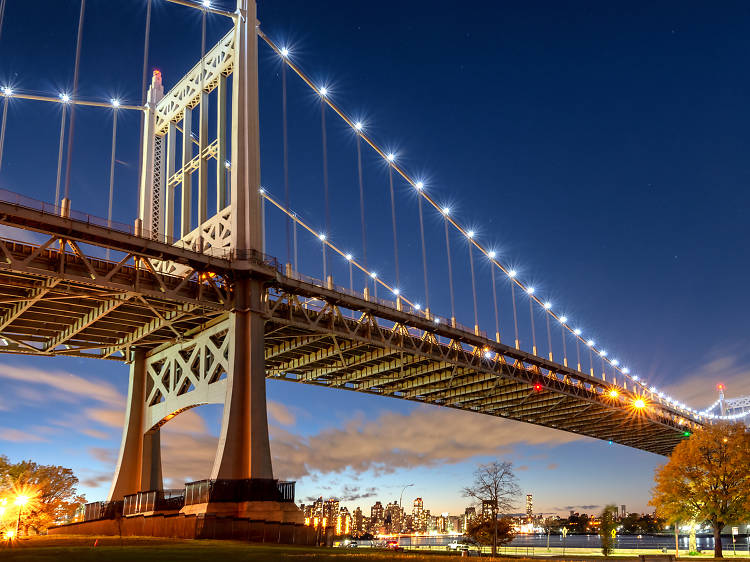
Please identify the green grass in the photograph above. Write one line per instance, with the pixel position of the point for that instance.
(145, 549)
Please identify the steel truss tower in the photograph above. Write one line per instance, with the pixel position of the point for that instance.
(224, 362)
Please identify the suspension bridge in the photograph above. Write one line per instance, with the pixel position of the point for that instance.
(187, 295)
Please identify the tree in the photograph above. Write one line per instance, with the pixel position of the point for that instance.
(496, 488)
(482, 531)
(706, 479)
(51, 491)
(607, 529)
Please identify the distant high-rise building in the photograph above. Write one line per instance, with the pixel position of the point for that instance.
(394, 517)
(623, 511)
(529, 505)
(376, 514)
(419, 521)
(358, 523)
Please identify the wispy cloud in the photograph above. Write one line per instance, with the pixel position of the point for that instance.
(729, 365)
(19, 436)
(64, 383)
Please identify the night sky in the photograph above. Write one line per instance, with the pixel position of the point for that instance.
(599, 148)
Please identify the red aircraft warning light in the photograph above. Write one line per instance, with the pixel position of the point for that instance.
(720, 386)
(538, 387)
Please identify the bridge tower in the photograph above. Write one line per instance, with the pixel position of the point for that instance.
(223, 363)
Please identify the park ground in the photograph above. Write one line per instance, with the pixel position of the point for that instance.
(73, 549)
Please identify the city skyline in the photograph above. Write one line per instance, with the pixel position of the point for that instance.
(618, 227)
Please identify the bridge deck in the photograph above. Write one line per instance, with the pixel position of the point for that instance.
(56, 299)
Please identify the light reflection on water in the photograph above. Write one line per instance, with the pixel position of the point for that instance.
(589, 541)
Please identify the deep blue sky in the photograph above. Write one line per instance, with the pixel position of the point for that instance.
(599, 147)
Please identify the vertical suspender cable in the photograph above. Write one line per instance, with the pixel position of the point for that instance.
(361, 200)
(515, 313)
(325, 164)
(591, 361)
(473, 287)
(393, 220)
(450, 272)
(578, 352)
(533, 330)
(2, 16)
(549, 337)
(296, 265)
(71, 132)
(112, 171)
(424, 258)
(287, 201)
(565, 349)
(351, 276)
(2, 128)
(494, 300)
(325, 265)
(5, 101)
(60, 153)
(144, 74)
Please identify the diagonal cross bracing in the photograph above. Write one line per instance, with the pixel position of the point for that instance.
(34, 296)
(87, 320)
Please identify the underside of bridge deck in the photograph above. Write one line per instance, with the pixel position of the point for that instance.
(60, 297)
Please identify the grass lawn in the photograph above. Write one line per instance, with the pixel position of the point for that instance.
(73, 549)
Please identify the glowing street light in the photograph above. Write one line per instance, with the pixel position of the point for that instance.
(323, 91)
(563, 319)
(613, 393)
(7, 91)
(390, 156)
(491, 254)
(65, 97)
(639, 403)
(358, 125)
(21, 500)
(115, 103)
(419, 185)
(285, 52)
(446, 211)
(206, 4)
(530, 290)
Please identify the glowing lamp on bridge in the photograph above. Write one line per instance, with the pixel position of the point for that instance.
(348, 257)
(538, 387)
(206, 4)
(639, 403)
(417, 306)
(603, 353)
(547, 305)
(491, 254)
(512, 273)
(358, 125)
(7, 91)
(396, 292)
(115, 103)
(530, 290)
(285, 52)
(626, 370)
(563, 319)
(10, 534)
(390, 156)
(322, 237)
(64, 97)
(470, 234)
(323, 91)
(577, 332)
(446, 211)
(613, 393)
(720, 386)
(590, 343)
(419, 185)
(374, 275)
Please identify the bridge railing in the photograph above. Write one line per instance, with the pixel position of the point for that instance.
(102, 510)
(221, 490)
(153, 500)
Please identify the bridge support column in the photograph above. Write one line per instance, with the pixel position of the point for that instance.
(139, 463)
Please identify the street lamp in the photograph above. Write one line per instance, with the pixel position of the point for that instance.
(402, 494)
(21, 501)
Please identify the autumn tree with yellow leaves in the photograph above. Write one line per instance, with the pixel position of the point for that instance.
(707, 479)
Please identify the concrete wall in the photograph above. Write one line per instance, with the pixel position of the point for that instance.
(193, 527)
